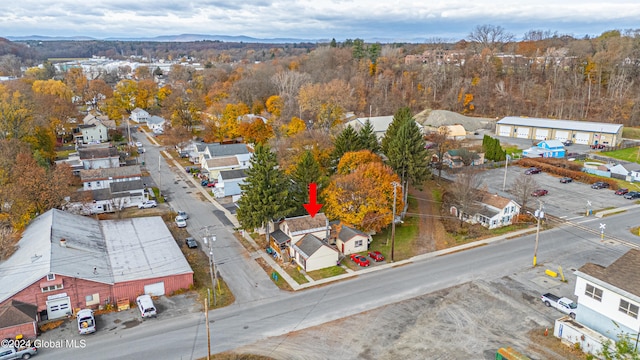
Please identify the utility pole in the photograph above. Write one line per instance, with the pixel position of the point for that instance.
(539, 215)
(504, 182)
(212, 265)
(206, 319)
(159, 174)
(393, 220)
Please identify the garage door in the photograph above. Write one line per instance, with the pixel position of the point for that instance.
(582, 138)
(562, 135)
(58, 308)
(542, 134)
(156, 289)
(522, 133)
(504, 130)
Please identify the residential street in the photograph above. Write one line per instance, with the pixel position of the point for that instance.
(251, 323)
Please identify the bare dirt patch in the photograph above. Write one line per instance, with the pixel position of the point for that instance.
(469, 321)
(431, 232)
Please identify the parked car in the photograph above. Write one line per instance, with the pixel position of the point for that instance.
(622, 191)
(631, 195)
(148, 204)
(204, 182)
(598, 146)
(191, 243)
(566, 180)
(181, 222)
(138, 144)
(567, 143)
(532, 170)
(360, 260)
(539, 192)
(146, 307)
(10, 352)
(600, 185)
(376, 256)
(183, 214)
(212, 183)
(86, 322)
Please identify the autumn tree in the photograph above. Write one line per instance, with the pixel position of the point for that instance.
(326, 103)
(295, 126)
(522, 188)
(363, 197)
(465, 193)
(265, 192)
(489, 36)
(350, 161)
(255, 132)
(441, 144)
(16, 115)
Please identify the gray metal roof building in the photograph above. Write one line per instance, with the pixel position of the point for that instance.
(579, 132)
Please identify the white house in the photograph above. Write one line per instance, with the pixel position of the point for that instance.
(102, 178)
(229, 182)
(289, 230)
(97, 157)
(91, 133)
(350, 240)
(609, 297)
(117, 196)
(156, 123)
(139, 115)
(628, 172)
(312, 253)
(491, 211)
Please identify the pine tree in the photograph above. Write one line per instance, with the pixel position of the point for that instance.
(368, 138)
(401, 116)
(346, 141)
(307, 171)
(265, 191)
(408, 156)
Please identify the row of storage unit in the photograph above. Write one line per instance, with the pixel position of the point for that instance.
(579, 132)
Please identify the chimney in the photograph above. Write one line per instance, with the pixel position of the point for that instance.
(63, 243)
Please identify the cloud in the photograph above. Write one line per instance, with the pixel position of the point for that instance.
(307, 19)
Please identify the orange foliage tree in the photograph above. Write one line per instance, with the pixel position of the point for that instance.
(256, 132)
(351, 160)
(363, 197)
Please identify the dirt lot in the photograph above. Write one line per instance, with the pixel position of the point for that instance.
(470, 321)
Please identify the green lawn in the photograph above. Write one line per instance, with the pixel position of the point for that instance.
(631, 133)
(405, 235)
(512, 150)
(326, 272)
(629, 154)
(296, 274)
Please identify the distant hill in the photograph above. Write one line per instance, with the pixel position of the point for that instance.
(170, 38)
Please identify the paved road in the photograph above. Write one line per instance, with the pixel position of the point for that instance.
(246, 279)
(240, 324)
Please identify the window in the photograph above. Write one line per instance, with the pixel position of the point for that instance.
(52, 288)
(593, 292)
(358, 243)
(92, 299)
(628, 308)
(51, 277)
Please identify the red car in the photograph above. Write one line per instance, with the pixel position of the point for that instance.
(212, 183)
(622, 191)
(539, 192)
(376, 256)
(598, 146)
(360, 260)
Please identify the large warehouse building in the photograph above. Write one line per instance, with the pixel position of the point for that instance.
(580, 132)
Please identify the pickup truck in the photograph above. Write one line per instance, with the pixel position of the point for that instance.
(564, 304)
(7, 353)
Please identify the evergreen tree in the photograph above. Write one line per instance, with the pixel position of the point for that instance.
(333, 43)
(401, 116)
(307, 171)
(346, 141)
(408, 156)
(368, 138)
(265, 191)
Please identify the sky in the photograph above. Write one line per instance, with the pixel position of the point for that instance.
(400, 20)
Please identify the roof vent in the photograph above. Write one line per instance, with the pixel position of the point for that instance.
(63, 242)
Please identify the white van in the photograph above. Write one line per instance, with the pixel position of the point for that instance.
(86, 322)
(145, 304)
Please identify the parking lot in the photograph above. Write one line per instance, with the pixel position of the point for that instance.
(568, 200)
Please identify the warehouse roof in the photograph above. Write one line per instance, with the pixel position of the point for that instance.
(561, 124)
